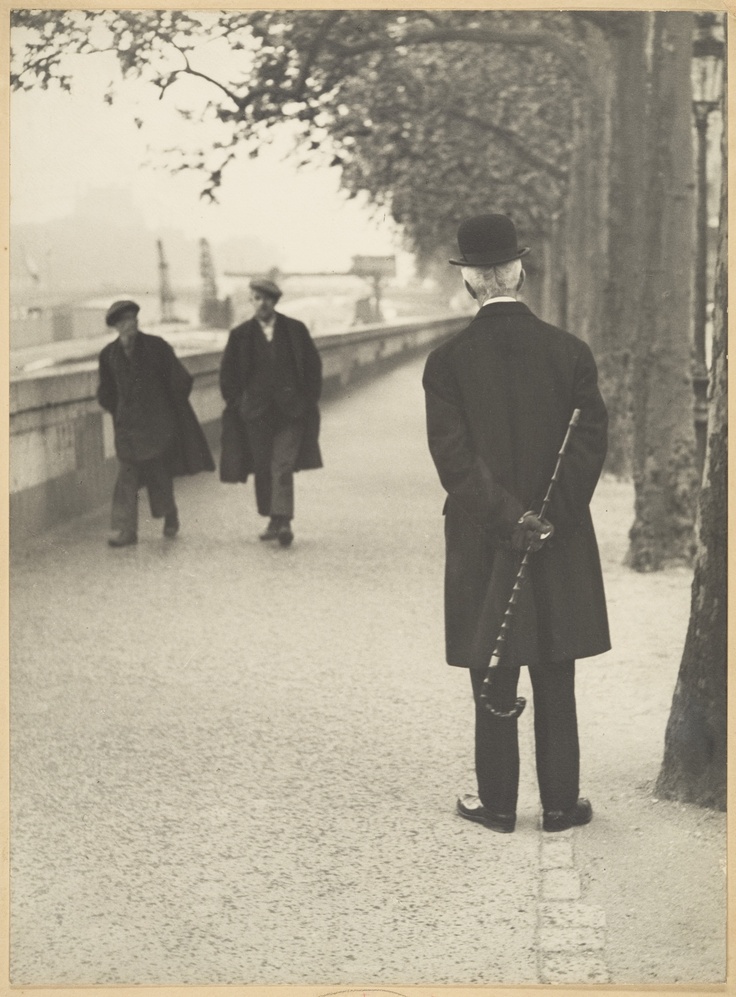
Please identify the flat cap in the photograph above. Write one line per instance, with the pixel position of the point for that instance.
(119, 308)
(265, 286)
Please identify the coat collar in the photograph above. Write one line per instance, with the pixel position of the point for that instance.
(253, 321)
(252, 326)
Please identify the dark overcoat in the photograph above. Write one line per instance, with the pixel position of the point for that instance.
(239, 373)
(499, 396)
(148, 398)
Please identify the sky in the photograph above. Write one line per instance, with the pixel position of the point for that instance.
(64, 144)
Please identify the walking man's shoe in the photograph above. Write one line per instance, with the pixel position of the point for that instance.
(171, 524)
(285, 534)
(561, 820)
(123, 539)
(272, 530)
(471, 808)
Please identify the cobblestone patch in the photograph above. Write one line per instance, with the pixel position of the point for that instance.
(572, 934)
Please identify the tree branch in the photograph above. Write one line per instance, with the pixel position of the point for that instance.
(326, 26)
(512, 140)
(567, 53)
(238, 101)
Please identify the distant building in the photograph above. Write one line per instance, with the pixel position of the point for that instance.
(41, 324)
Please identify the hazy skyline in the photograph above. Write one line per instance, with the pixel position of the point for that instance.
(63, 145)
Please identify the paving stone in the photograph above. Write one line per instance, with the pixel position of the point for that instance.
(560, 884)
(582, 967)
(567, 939)
(572, 915)
(556, 853)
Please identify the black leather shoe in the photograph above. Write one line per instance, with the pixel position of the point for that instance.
(561, 820)
(271, 532)
(471, 808)
(171, 524)
(124, 539)
(285, 535)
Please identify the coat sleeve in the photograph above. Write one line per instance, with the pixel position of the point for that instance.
(231, 376)
(107, 394)
(463, 474)
(177, 378)
(312, 367)
(586, 451)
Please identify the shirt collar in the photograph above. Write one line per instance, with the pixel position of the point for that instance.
(496, 307)
(500, 297)
(268, 328)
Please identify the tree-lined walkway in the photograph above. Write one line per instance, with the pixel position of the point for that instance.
(233, 763)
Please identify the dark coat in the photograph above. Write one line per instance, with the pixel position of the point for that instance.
(499, 397)
(148, 398)
(249, 386)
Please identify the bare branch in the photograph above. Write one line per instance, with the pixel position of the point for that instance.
(203, 76)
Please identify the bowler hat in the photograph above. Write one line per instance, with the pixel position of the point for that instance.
(265, 286)
(119, 308)
(487, 241)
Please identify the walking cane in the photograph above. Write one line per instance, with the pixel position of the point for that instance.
(518, 707)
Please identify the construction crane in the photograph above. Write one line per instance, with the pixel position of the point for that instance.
(166, 295)
(213, 312)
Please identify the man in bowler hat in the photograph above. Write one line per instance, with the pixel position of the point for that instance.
(499, 397)
(271, 380)
(145, 387)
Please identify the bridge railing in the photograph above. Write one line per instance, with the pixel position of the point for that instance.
(62, 453)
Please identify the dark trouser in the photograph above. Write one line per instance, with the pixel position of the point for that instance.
(156, 476)
(555, 735)
(275, 443)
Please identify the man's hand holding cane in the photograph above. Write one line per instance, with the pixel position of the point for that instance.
(530, 533)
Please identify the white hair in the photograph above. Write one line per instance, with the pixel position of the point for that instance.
(490, 282)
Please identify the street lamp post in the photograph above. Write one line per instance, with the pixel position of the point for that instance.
(708, 51)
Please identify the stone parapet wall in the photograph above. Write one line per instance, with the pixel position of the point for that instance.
(62, 453)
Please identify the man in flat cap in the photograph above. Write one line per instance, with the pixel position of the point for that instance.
(145, 387)
(499, 398)
(271, 380)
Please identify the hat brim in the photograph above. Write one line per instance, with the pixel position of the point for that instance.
(268, 288)
(492, 263)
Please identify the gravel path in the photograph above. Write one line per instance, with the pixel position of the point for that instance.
(233, 763)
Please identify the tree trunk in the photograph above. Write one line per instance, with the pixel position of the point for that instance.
(552, 291)
(694, 765)
(626, 234)
(664, 437)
